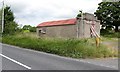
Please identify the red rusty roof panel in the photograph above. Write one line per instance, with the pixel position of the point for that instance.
(59, 22)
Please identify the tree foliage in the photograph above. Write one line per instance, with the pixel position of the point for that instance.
(9, 24)
(109, 14)
(30, 28)
(33, 29)
(79, 14)
(0, 14)
(26, 27)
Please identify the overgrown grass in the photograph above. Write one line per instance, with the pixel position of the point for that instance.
(111, 34)
(64, 47)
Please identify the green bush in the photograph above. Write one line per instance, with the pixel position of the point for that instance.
(64, 47)
(109, 33)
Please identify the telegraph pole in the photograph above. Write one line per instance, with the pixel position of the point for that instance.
(3, 17)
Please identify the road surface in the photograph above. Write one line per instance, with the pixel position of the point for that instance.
(15, 58)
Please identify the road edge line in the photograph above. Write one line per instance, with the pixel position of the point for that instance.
(21, 64)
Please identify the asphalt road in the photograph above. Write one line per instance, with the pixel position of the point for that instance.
(15, 58)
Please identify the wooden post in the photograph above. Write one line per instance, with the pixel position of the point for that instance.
(97, 41)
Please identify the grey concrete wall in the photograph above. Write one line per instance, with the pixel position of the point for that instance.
(85, 25)
(86, 30)
(89, 16)
(80, 28)
(97, 26)
(65, 31)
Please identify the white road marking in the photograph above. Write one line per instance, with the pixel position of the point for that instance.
(15, 61)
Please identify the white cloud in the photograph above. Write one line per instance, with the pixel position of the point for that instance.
(34, 12)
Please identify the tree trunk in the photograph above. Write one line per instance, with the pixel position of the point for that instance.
(116, 29)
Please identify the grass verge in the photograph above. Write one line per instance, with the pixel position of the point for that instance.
(64, 47)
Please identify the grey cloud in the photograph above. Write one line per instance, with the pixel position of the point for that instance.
(66, 16)
(17, 7)
(38, 13)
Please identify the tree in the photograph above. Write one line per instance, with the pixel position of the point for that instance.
(9, 24)
(26, 27)
(79, 14)
(30, 28)
(109, 14)
(33, 29)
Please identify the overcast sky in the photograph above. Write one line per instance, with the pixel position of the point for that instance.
(33, 12)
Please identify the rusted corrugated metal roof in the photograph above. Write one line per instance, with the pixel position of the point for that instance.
(59, 22)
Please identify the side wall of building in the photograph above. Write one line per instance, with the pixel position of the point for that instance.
(64, 31)
(97, 26)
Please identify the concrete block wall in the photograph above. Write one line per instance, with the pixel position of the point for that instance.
(64, 31)
(88, 16)
(97, 26)
(86, 29)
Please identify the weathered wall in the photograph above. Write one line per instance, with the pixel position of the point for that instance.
(89, 16)
(80, 28)
(84, 25)
(97, 26)
(65, 31)
(86, 29)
